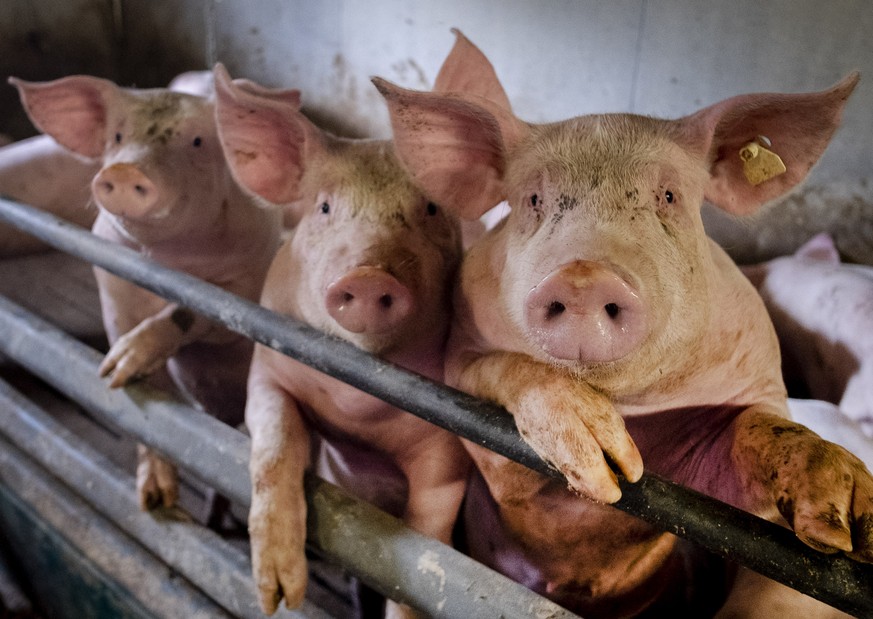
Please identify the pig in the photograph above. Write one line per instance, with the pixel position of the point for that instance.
(164, 189)
(370, 261)
(40, 172)
(601, 316)
(823, 314)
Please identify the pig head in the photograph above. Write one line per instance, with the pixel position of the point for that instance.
(163, 189)
(370, 261)
(602, 317)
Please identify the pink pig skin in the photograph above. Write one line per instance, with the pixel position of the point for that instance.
(163, 189)
(40, 172)
(823, 313)
(675, 365)
(370, 261)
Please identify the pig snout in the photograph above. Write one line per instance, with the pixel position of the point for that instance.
(369, 300)
(123, 190)
(584, 311)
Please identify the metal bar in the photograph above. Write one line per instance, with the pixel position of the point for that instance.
(216, 567)
(125, 562)
(751, 541)
(339, 526)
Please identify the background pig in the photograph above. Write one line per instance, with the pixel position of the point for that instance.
(40, 172)
(370, 261)
(602, 317)
(823, 314)
(163, 189)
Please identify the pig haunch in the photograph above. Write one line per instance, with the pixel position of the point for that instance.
(162, 188)
(616, 333)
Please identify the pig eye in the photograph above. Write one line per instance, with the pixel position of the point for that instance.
(197, 142)
(118, 138)
(668, 196)
(534, 200)
(325, 208)
(431, 208)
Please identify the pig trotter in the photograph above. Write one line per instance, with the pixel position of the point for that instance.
(824, 492)
(140, 352)
(156, 482)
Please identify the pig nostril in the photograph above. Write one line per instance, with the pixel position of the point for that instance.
(140, 189)
(107, 186)
(386, 301)
(556, 308)
(348, 297)
(612, 309)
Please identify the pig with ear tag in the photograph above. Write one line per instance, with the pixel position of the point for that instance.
(163, 188)
(372, 261)
(600, 315)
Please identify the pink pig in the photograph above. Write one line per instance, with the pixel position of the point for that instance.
(164, 189)
(40, 172)
(371, 262)
(615, 332)
(803, 293)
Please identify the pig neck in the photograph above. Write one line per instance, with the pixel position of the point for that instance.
(734, 360)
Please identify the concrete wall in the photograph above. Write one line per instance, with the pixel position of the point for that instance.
(556, 58)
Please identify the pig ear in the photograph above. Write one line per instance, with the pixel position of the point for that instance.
(820, 247)
(454, 148)
(290, 96)
(466, 70)
(72, 110)
(266, 140)
(798, 127)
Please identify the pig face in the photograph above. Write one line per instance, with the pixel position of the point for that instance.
(370, 258)
(372, 249)
(600, 242)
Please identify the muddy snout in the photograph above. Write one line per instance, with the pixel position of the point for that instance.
(124, 190)
(584, 311)
(369, 300)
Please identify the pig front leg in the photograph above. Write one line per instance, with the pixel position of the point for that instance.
(277, 518)
(824, 492)
(437, 470)
(146, 348)
(567, 422)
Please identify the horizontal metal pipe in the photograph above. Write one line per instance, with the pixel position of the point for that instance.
(219, 569)
(760, 545)
(122, 560)
(371, 545)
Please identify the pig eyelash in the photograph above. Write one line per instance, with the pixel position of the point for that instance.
(325, 208)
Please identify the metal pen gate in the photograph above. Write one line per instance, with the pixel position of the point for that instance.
(368, 543)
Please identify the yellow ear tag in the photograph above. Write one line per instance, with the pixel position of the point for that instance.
(760, 164)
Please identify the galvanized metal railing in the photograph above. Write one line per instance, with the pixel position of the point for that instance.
(760, 545)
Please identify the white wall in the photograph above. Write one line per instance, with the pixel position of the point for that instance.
(556, 58)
